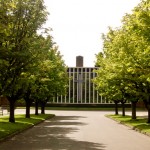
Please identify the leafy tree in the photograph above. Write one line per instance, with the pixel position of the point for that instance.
(125, 60)
(137, 26)
(19, 23)
(52, 78)
(43, 45)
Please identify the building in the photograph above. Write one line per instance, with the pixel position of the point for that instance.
(81, 89)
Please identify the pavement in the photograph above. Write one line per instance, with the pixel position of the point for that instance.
(78, 130)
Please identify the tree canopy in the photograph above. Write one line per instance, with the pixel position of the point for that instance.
(124, 63)
(29, 60)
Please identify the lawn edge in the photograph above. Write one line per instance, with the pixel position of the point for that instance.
(131, 127)
(25, 129)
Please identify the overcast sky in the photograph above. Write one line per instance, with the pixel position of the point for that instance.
(78, 24)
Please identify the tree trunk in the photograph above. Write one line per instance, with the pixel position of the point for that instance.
(27, 109)
(116, 108)
(42, 107)
(36, 108)
(133, 105)
(147, 105)
(28, 102)
(12, 109)
(148, 119)
(123, 108)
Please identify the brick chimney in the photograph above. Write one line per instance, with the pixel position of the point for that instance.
(79, 61)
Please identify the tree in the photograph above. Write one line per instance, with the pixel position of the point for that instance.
(43, 45)
(52, 78)
(126, 57)
(137, 25)
(20, 21)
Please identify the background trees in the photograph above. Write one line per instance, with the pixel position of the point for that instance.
(124, 67)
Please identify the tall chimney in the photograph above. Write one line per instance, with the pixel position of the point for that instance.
(79, 61)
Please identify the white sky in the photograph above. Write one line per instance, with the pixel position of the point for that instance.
(78, 24)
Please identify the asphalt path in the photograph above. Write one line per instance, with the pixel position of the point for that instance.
(78, 130)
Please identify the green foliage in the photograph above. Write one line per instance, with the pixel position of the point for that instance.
(30, 65)
(50, 78)
(124, 65)
(20, 21)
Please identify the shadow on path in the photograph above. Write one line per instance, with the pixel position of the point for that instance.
(52, 135)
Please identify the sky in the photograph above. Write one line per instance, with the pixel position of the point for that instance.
(77, 25)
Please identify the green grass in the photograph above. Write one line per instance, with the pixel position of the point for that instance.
(21, 123)
(139, 124)
(90, 108)
(74, 108)
(81, 108)
(84, 108)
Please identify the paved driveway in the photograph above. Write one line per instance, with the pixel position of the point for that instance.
(78, 130)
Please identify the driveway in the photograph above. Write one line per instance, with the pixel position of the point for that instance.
(78, 130)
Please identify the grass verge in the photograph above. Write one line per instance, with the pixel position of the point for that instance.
(80, 108)
(94, 108)
(138, 124)
(85, 108)
(8, 129)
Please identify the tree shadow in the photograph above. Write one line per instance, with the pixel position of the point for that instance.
(59, 118)
(52, 135)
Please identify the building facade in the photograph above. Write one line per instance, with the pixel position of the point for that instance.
(81, 89)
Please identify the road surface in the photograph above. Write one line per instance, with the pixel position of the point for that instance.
(78, 130)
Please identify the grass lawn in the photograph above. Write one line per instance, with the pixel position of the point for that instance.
(139, 124)
(85, 108)
(76, 108)
(80, 108)
(21, 123)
